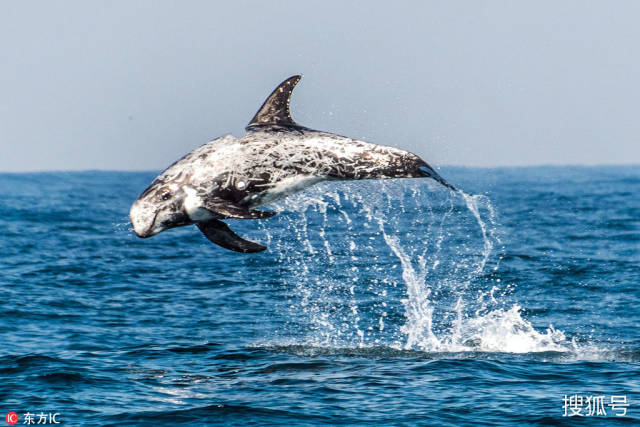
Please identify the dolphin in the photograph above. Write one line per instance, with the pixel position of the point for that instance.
(228, 178)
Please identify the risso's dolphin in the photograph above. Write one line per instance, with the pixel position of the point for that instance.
(229, 177)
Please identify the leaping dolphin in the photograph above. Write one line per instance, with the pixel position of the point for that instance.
(229, 177)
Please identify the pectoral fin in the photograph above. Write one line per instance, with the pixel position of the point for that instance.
(219, 233)
(228, 209)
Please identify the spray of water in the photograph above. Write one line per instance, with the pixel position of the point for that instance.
(400, 264)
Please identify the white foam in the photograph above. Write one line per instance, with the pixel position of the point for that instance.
(431, 264)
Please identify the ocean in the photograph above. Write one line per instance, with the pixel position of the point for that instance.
(394, 302)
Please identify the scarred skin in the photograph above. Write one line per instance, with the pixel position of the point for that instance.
(229, 177)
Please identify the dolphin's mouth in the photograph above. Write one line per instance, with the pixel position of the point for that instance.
(163, 219)
(146, 231)
(428, 172)
(142, 226)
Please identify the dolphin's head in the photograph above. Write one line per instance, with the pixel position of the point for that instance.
(159, 207)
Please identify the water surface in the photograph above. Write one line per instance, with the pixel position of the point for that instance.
(388, 302)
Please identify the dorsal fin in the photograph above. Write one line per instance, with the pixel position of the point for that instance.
(275, 110)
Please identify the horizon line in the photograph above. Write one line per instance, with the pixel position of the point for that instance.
(572, 165)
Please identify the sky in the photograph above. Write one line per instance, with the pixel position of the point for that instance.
(134, 85)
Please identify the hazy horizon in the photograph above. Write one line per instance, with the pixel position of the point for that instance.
(134, 86)
(599, 165)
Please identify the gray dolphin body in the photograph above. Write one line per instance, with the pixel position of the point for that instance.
(229, 177)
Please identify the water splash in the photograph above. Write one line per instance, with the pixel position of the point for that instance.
(472, 204)
(400, 264)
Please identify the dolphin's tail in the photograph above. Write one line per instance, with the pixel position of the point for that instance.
(427, 171)
(372, 161)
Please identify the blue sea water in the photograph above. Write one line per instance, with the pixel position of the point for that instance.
(392, 302)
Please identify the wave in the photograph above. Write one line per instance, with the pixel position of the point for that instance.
(229, 414)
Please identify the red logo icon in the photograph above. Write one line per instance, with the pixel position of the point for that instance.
(12, 418)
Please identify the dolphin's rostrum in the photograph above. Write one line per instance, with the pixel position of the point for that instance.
(229, 177)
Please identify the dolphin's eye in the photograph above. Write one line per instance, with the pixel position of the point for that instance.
(166, 195)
